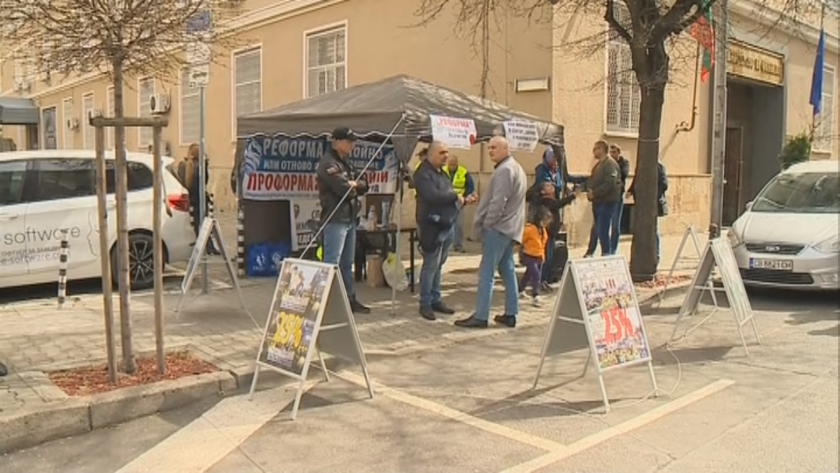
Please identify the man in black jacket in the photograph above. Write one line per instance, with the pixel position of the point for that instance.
(437, 208)
(339, 189)
(661, 200)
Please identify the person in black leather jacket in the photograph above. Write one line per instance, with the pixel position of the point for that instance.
(437, 209)
(339, 189)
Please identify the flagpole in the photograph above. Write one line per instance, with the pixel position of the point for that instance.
(813, 130)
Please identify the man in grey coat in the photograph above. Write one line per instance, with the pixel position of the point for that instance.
(500, 221)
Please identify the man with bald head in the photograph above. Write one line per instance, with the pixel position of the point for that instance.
(437, 208)
(500, 221)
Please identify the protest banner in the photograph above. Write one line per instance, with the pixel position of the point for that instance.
(453, 132)
(522, 135)
(599, 294)
(283, 168)
(310, 313)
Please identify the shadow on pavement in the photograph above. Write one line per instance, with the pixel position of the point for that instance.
(665, 356)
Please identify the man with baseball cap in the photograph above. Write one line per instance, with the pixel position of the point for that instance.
(339, 189)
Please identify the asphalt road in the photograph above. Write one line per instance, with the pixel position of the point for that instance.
(469, 408)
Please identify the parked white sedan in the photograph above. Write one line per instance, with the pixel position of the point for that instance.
(788, 237)
(43, 192)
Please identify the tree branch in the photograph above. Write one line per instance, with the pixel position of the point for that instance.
(677, 19)
(619, 29)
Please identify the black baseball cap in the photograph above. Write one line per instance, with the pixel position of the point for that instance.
(343, 133)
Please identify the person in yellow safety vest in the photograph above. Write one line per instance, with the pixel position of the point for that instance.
(462, 184)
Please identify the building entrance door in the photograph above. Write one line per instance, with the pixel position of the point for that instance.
(733, 165)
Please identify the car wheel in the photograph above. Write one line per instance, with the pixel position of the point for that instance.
(141, 258)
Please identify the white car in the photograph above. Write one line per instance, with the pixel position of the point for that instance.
(43, 192)
(788, 237)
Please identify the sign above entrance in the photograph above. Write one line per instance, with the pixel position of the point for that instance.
(749, 62)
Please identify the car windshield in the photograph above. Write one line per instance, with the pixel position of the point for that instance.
(808, 192)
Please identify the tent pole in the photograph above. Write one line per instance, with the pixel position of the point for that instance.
(398, 255)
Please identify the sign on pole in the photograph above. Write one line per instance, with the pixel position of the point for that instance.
(310, 313)
(718, 253)
(599, 294)
(453, 132)
(522, 135)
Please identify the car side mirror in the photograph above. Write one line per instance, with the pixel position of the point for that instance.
(749, 205)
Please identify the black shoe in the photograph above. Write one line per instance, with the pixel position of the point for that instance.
(441, 308)
(358, 308)
(427, 313)
(471, 322)
(3, 370)
(506, 320)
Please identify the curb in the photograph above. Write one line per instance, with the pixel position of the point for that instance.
(78, 416)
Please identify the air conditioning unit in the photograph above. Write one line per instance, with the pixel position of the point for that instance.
(159, 104)
(72, 123)
(22, 86)
(96, 113)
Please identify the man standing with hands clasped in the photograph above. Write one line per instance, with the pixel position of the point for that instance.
(339, 190)
(438, 206)
(604, 191)
(500, 220)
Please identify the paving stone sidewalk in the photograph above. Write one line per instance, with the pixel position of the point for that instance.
(38, 337)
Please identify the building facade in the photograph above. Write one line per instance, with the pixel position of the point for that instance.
(295, 49)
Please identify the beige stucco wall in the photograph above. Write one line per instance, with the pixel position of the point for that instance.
(440, 53)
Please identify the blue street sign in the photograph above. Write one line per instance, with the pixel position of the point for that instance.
(199, 22)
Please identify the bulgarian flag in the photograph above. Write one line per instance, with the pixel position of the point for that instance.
(703, 33)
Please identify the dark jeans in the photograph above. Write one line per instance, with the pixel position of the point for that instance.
(603, 213)
(545, 275)
(615, 230)
(430, 271)
(532, 274)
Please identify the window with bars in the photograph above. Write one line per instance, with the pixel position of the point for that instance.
(190, 117)
(109, 133)
(87, 111)
(67, 116)
(145, 91)
(247, 82)
(623, 94)
(326, 54)
(824, 131)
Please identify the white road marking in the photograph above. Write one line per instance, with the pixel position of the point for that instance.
(623, 428)
(210, 438)
(455, 415)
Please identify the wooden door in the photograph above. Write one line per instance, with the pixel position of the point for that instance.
(732, 167)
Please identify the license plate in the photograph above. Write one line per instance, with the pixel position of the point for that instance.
(776, 264)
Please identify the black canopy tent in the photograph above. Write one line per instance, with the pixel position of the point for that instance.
(395, 110)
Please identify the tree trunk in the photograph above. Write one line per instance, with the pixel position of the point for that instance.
(123, 261)
(643, 262)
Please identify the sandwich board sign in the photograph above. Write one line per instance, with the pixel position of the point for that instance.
(718, 253)
(209, 229)
(599, 294)
(310, 313)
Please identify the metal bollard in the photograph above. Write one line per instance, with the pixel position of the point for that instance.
(240, 242)
(62, 268)
(210, 205)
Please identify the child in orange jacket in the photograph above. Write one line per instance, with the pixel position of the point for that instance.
(534, 239)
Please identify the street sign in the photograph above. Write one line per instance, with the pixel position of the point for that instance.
(199, 75)
(198, 53)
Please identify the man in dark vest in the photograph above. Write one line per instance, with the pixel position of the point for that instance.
(339, 189)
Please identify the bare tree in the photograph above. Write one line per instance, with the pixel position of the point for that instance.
(115, 38)
(651, 28)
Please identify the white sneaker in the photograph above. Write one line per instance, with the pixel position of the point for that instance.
(535, 301)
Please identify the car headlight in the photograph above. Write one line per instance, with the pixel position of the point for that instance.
(829, 245)
(732, 236)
